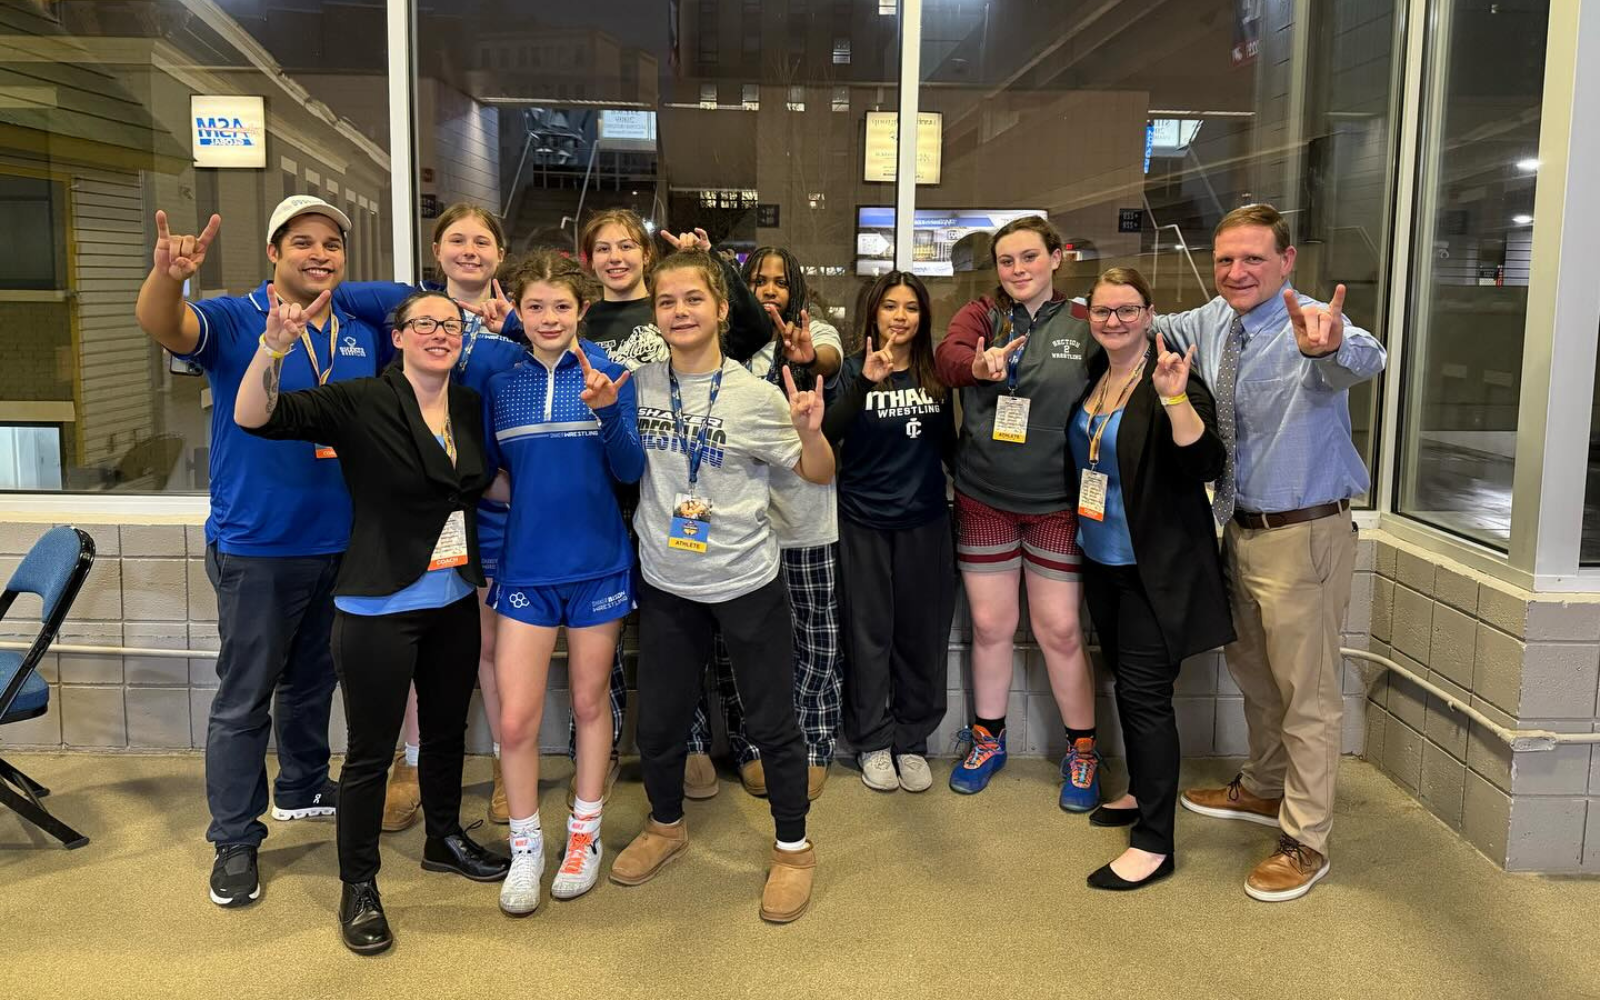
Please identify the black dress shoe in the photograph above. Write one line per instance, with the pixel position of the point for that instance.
(1104, 878)
(461, 854)
(1107, 816)
(361, 921)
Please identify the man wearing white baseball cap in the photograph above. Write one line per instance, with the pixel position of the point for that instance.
(280, 521)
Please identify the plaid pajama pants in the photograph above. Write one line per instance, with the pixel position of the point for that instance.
(814, 602)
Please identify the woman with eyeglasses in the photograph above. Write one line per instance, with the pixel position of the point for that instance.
(410, 444)
(1144, 443)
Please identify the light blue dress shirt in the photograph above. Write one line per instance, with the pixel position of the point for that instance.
(1294, 446)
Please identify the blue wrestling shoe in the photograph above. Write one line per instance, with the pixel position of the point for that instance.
(987, 756)
(1080, 773)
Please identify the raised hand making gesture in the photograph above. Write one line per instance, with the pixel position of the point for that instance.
(492, 310)
(877, 365)
(990, 365)
(805, 408)
(697, 240)
(179, 257)
(286, 321)
(798, 348)
(1319, 330)
(1171, 376)
(599, 390)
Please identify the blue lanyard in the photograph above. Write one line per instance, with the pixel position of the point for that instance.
(473, 327)
(1019, 318)
(696, 450)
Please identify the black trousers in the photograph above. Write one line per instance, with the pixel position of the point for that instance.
(273, 616)
(675, 644)
(1145, 670)
(378, 658)
(898, 593)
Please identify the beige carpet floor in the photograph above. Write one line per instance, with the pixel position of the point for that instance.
(926, 896)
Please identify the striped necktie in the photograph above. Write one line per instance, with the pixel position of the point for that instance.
(1227, 421)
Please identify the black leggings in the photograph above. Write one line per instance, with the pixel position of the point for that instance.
(1130, 638)
(378, 657)
(675, 637)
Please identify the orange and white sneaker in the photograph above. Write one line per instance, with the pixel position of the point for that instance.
(580, 866)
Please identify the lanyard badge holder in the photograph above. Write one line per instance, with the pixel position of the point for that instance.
(1092, 483)
(1011, 410)
(451, 548)
(690, 530)
(323, 374)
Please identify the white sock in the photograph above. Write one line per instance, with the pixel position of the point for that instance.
(497, 751)
(793, 845)
(526, 834)
(413, 751)
(585, 817)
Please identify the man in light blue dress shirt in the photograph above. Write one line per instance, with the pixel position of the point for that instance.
(1281, 365)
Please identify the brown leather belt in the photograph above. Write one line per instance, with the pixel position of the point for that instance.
(1250, 519)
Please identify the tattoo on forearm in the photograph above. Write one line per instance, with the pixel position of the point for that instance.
(269, 383)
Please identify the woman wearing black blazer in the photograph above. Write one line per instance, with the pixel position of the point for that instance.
(1144, 443)
(410, 447)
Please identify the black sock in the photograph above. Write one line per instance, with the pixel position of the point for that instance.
(995, 726)
(1074, 735)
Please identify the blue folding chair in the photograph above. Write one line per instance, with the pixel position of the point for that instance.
(54, 569)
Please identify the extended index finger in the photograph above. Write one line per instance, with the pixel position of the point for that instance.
(1291, 301)
(1161, 345)
(210, 232)
(583, 361)
(670, 239)
(499, 292)
(162, 232)
(788, 381)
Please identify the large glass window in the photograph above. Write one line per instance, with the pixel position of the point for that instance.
(732, 116)
(1472, 244)
(1136, 131)
(97, 131)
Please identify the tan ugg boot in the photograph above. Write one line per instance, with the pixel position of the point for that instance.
(402, 801)
(788, 891)
(499, 811)
(651, 850)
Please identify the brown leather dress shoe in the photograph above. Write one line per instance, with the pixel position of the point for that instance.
(1288, 874)
(754, 778)
(499, 811)
(651, 850)
(816, 777)
(402, 801)
(1232, 801)
(788, 891)
(700, 777)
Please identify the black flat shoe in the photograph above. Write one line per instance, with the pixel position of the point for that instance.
(464, 856)
(361, 921)
(1105, 878)
(1107, 816)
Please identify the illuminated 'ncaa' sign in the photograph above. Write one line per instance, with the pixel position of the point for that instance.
(229, 131)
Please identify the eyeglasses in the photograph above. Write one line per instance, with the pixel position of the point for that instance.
(426, 325)
(1125, 313)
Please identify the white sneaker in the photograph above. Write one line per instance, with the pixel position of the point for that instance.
(581, 867)
(877, 771)
(915, 775)
(519, 893)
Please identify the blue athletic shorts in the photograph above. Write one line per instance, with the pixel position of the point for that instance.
(576, 605)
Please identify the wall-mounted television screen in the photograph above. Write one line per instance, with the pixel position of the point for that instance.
(939, 238)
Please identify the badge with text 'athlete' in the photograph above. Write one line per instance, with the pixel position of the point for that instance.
(1011, 418)
(691, 524)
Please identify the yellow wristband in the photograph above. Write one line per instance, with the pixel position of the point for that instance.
(275, 355)
(1181, 397)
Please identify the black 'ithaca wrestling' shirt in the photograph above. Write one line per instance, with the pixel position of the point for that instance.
(893, 447)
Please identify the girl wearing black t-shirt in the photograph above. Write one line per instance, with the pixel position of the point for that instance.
(894, 422)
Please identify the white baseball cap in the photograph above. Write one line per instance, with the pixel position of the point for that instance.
(297, 205)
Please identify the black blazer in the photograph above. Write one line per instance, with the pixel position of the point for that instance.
(402, 485)
(1169, 518)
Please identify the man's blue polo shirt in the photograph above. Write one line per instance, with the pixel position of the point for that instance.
(274, 498)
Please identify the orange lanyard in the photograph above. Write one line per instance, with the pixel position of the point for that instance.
(1095, 435)
(333, 343)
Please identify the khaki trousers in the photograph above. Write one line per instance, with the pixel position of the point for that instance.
(1290, 588)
